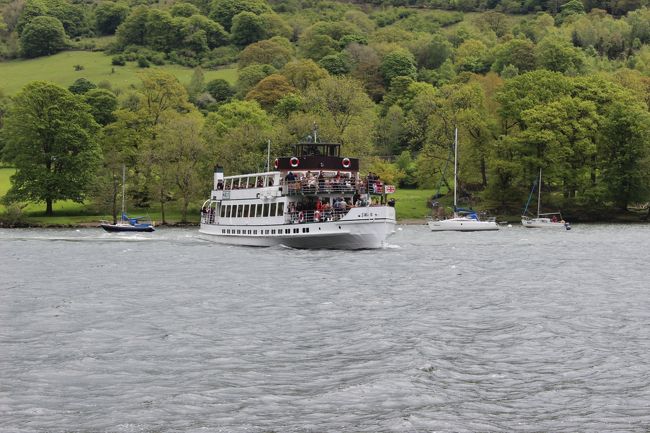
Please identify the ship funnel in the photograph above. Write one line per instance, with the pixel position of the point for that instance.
(218, 177)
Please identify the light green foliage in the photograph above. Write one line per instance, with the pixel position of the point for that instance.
(270, 90)
(49, 138)
(518, 53)
(389, 174)
(182, 9)
(270, 52)
(237, 134)
(346, 110)
(302, 73)
(527, 91)
(197, 84)
(472, 56)
(324, 38)
(607, 36)
(42, 36)
(182, 157)
(251, 75)
(639, 22)
(400, 63)
(556, 54)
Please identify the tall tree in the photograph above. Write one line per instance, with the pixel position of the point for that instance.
(50, 139)
(185, 155)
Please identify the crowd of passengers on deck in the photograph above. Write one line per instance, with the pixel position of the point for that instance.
(310, 183)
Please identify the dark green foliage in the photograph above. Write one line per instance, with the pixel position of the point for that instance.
(42, 36)
(81, 86)
(223, 11)
(143, 62)
(434, 52)
(220, 90)
(109, 15)
(118, 60)
(247, 28)
(102, 104)
(50, 139)
(336, 64)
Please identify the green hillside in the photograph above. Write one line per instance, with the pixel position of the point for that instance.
(60, 68)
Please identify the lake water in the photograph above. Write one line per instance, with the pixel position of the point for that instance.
(519, 330)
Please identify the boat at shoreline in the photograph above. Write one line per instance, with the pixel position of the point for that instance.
(549, 220)
(464, 220)
(315, 199)
(126, 223)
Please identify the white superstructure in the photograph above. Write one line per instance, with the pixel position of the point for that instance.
(300, 206)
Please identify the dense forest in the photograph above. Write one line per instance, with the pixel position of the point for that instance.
(558, 85)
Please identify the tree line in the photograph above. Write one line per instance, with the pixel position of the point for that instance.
(566, 91)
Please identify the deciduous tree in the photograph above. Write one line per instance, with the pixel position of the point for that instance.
(50, 137)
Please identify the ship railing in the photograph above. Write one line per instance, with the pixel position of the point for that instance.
(315, 216)
(304, 187)
(208, 216)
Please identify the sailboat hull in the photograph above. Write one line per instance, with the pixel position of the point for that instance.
(462, 225)
(544, 223)
(112, 228)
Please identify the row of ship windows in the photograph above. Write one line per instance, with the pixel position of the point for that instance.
(251, 210)
(264, 232)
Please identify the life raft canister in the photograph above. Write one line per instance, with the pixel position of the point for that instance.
(346, 162)
(276, 163)
(294, 162)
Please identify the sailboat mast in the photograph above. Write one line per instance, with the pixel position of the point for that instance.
(539, 192)
(455, 165)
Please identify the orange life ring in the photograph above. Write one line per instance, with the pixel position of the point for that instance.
(295, 162)
(301, 217)
(346, 162)
(316, 216)
(276, 163)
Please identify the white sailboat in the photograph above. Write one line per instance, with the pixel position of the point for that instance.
(463, 220)
(549, 220)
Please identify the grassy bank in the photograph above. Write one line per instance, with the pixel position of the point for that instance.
(97, 67)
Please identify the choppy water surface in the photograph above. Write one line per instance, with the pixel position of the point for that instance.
(519, 330)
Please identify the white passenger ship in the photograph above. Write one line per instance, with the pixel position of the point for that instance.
(315, 199)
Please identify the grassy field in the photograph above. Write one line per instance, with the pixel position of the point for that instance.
(412, 203)
(60, 69)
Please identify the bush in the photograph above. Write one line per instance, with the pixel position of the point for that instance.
(143, 62)
(118, 60)
(13, 216)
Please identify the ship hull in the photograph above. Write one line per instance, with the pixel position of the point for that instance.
(344, 235)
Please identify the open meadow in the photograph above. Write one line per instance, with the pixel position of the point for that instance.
(97, 67)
